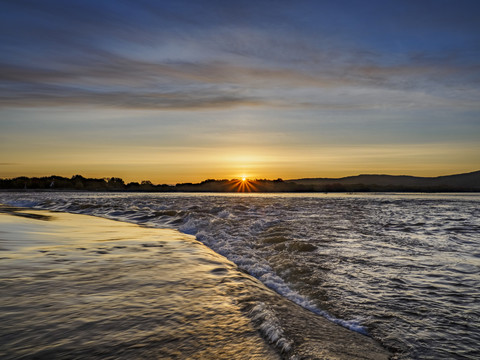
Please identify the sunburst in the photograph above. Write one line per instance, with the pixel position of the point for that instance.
(243, 185)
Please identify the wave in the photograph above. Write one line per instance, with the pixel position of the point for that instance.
(231, 226)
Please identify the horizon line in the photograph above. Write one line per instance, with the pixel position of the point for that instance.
(238, 178)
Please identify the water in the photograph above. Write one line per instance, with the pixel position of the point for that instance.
(77, 287)
(403, 268)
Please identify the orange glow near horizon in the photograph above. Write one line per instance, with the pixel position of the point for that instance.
(164, 165)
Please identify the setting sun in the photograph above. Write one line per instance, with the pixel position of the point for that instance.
(243, 185)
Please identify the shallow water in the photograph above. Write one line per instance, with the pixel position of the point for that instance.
(402, 268)
(75, 286)
(89, 289)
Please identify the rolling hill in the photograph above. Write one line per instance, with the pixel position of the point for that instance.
(458, 182)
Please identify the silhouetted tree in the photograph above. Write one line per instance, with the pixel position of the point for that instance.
(115, 184)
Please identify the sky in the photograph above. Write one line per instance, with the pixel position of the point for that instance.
(183, 90)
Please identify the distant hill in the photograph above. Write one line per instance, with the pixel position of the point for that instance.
(459, 182)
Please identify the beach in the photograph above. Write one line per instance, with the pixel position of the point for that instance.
(78, 286)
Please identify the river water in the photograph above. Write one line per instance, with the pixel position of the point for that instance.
(402, 268)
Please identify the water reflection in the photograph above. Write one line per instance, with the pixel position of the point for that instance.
(16, 211)
(85, 287)
(113, 290)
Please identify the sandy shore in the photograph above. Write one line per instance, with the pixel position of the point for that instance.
(75, 286)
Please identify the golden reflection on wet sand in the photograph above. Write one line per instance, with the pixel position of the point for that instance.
(79, 286)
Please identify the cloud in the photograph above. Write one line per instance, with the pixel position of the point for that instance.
(147, 100)
(182, 55)
(106, 79)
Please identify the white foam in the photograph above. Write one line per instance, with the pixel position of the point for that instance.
(189, 227)
(269, 326)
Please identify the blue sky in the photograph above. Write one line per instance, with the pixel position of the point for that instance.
(187, 90)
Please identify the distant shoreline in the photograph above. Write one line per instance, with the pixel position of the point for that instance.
(392, 192)
(468, 182)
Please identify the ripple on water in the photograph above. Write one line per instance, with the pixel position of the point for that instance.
(370, 255)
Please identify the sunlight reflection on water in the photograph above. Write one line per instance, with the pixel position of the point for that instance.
(92, 288)
(76, 286)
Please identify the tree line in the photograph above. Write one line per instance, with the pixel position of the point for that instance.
(80, 183)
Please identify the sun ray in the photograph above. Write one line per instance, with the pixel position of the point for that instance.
(243, 185)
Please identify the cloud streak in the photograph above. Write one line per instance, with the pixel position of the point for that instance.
(112, 80)
(146, 101)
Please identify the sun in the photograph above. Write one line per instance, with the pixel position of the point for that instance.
(243, 184)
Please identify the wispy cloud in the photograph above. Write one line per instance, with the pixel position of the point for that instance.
(153, 55)
(113, 80)
(151, 100)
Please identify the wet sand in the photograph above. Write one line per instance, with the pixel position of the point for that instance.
(76, 286)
